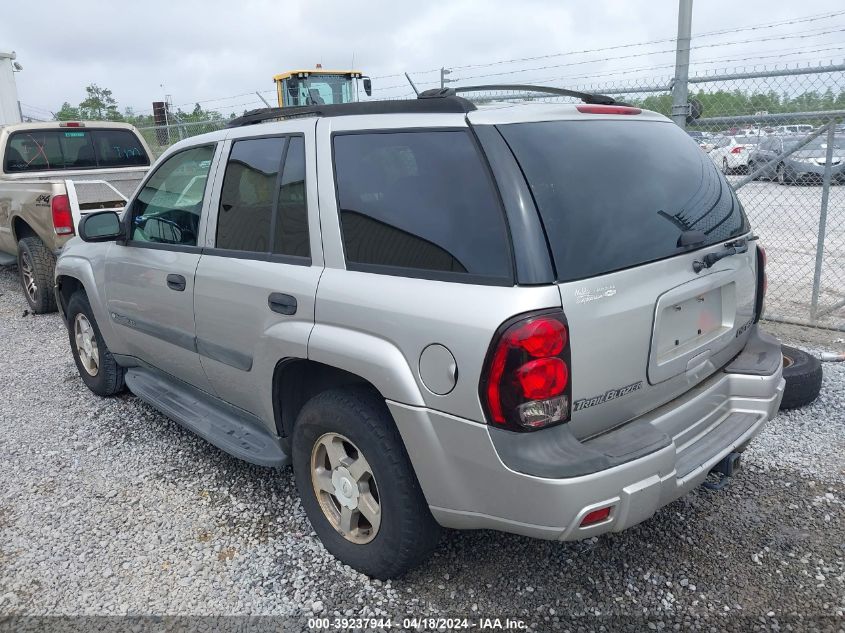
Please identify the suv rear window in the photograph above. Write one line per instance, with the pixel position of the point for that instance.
(420, 201)
(616, 194)
(73, 148)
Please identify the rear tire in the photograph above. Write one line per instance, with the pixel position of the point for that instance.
(356, 424)
(725, 169)
(95, 363)
(803, 374)
(781, 175)
(36, 266)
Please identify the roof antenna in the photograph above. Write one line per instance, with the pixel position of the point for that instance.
(408, 77)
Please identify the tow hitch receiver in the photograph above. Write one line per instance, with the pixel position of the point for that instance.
(724, 470)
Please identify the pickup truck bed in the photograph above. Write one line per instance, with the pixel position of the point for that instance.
(51, 174)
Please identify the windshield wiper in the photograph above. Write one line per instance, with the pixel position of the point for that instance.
(734, 247)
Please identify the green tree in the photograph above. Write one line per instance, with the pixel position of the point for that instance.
(68, 113)
(100, 104)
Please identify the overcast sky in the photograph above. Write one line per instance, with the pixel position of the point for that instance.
(201, 50)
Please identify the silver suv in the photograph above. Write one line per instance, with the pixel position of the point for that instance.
(534, 318)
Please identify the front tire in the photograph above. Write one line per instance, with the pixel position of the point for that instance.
(357, 484)
(36, 265)
(95, 363)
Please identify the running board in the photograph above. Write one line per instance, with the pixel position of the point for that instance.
(7, 260)
(229, 429)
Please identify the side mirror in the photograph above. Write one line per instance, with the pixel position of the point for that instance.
(368, 86)
(102, 226)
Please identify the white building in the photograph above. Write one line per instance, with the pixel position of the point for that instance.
(10, 109)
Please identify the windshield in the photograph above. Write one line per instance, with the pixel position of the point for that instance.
(747, 140)
(820, 143)
(616, 194)
(319, 90)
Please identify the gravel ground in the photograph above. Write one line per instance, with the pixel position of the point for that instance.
(108, 508)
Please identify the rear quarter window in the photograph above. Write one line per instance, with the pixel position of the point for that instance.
(421, 202)
(617, 194)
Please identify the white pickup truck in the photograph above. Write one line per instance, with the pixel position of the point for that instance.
(50, 175)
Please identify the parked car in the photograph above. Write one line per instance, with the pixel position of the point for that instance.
(804, 165)
(535, 318)
(705, 141)
(52, 174)
(793, 129)
(732, 152)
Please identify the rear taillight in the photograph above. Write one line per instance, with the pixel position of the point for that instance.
(527, 379)
(762, 283)
(736, 150)
(607, 109)
(62, 219)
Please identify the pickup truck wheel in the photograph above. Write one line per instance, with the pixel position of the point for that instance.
(358, 486)
(96, 365)
(36, 265)
(803, 374)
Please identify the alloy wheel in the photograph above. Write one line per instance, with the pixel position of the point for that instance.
(345, 487)
(28, 275)
(86, 344)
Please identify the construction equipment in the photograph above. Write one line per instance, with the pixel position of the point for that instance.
(319, 87)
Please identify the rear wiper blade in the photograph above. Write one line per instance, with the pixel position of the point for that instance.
(734, 247)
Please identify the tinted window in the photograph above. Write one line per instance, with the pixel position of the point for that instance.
(420, 200)
(73, 148)
(167, 210)
(615, 194)
(291, 231)
(248, 193)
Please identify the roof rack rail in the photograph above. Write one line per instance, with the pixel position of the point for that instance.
(452, 104)
(586, 97)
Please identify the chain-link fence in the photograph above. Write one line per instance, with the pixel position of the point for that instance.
(778, 135)
(159, 138)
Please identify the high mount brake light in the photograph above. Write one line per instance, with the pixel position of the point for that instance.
(62, 218)
(607, 109)
(526, 383)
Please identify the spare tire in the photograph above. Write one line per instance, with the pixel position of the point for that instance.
(803, 374)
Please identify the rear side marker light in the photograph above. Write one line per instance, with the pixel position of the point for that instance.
(62, 219)
(526, 382)
(596, 516)
(607, 109)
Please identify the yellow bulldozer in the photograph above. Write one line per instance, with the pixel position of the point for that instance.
(319, 87)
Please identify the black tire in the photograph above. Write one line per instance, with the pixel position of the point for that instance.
(781, 175)
(750, 169)
(37, 262)
(407, 533)
(725, 169)
(803, 374)
(108, 379)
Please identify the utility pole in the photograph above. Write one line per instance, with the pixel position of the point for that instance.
(680, 87)
(443, 80)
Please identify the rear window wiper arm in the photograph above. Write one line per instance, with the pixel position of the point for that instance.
(734, 247)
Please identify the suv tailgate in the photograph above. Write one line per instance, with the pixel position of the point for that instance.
(628, 205)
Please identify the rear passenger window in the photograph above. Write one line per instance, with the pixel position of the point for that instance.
(291, 231)
(422, 201)
(248, 194)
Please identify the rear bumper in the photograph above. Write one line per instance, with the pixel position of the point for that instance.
(470, 484)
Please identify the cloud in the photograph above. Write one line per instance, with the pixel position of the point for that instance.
(205, 50)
